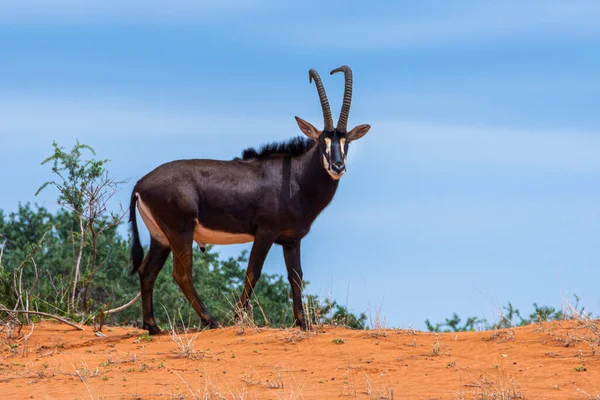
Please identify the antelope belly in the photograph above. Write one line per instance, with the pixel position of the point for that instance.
(203, 235)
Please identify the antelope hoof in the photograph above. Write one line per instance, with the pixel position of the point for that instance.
(214, 324)
(301, 324)
(152, 329)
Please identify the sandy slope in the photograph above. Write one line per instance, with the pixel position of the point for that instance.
(550, 361)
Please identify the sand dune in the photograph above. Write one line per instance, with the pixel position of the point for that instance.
(556, 360)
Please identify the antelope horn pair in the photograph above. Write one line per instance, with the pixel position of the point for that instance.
(343, 121)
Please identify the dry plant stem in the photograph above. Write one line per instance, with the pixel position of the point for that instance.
(262, 311)
(26, 340)
(186, 384)
(124, 306)
(19, 288)
(37, 277)
(83, 380)
(43, 314)
(18, 274)
(99, 195)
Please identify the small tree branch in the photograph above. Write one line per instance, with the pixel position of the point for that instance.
(124, 306)
(43, 314)
(34, 284)
(82, 231)
(2, 252)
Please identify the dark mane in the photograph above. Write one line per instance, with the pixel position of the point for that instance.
(293, 147)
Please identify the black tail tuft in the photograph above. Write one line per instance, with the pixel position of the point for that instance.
(137, 252)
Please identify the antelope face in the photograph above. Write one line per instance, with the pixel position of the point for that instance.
(334, 147)
(333, 142)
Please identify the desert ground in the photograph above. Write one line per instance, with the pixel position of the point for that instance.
(48, 360)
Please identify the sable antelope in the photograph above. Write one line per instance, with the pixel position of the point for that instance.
(268, 196)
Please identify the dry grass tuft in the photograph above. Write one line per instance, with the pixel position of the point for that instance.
(590, 326)
(503, 335)
(349, 390)
(311, 313)
(253, 378)
(436, 348)
(276, 383)
(293, 390)
(589, 396)
(378, 324)
(243, 317)
(293, 336)
(484, 389)
(378, 393)
(184, 340)
(211, 391)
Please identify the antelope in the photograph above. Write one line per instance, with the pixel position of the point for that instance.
(268, 196)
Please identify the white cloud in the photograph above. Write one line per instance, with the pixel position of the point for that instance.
(432, 144)
(24, 120)
(27, 120)
(360, 29)
(516, 217)
(467, 22)
(127, 11)
(480, 22)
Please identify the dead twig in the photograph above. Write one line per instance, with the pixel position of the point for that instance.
(124, 306)
(43, 314)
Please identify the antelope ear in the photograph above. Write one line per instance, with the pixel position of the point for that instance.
(308, 129)
(358, 132)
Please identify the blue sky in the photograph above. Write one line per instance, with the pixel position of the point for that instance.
(477, 184)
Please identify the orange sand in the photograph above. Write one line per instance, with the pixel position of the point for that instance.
(550, 361)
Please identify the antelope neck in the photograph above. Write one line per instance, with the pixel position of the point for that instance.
(316, 186)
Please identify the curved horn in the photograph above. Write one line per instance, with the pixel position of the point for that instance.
(343, 121)
(312, 74)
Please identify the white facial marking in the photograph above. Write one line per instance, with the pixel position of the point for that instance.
(342, 144)
(203, 235)
(325, 163)
(153, 228)
(328, 146)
